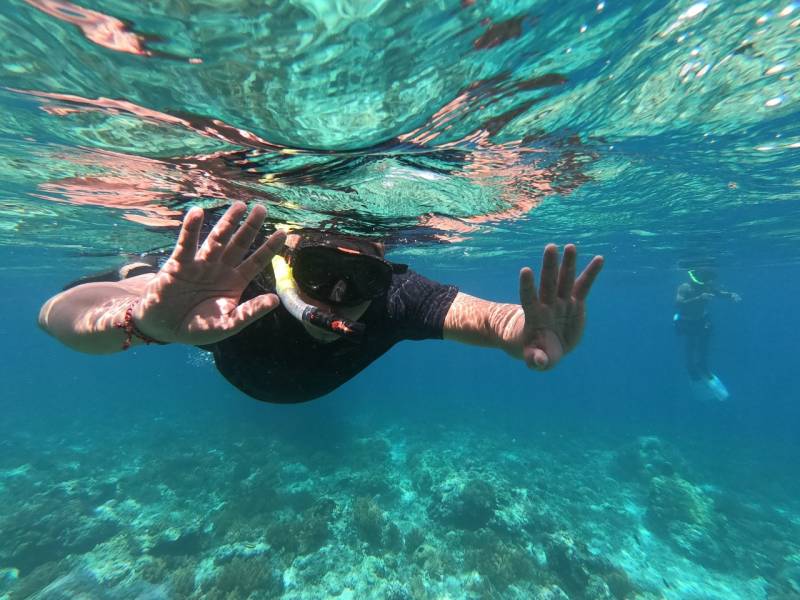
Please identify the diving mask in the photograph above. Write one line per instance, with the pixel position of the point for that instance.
(340, 276)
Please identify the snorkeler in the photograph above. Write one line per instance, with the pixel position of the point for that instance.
(693, 322)
(342, 305)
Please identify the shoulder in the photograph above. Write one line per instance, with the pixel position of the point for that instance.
(419, 304)
(413, 285)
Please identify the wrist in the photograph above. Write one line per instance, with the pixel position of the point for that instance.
(130, 326)
(507, 327)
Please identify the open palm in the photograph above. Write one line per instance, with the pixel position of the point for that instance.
(194, 298)
(554, 317)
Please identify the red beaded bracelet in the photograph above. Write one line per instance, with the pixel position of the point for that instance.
(130, 329)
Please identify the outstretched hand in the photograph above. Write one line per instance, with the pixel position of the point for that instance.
(194, 298)
(553, 318)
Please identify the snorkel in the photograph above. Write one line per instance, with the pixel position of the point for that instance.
(286, 288)
(694, 278)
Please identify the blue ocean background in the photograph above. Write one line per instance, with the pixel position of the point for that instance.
(442, 471)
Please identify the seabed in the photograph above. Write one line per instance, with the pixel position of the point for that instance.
(169, 510)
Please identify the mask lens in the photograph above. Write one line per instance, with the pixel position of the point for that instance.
(313, 269)
(333, 276)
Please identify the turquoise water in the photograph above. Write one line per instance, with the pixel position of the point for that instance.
(466, 135)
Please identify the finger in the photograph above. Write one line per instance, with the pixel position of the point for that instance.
(549, 275)
(250, 311)
(258, 260)
(584, 283)
(527, 292)
(537, 359)
(215, 242)
(186, 248)
(243, 238)
(566, 274)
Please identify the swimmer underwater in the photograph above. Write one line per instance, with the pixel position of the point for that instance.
(329, 306)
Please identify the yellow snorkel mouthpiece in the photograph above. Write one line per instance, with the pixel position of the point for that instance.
(283, 273)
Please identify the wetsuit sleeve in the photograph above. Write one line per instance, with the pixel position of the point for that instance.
(419, 305)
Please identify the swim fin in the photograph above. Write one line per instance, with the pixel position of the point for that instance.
(718, 389)
(710, 389)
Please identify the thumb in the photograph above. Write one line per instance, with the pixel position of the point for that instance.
(536, 358)
(252, 310)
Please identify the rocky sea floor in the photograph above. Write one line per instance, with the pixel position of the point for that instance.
(401, 511)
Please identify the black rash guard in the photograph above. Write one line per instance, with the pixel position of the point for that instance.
(276, 360)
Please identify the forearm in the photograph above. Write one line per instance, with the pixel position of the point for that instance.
(683, 301)
(479, 322)
(87, 317)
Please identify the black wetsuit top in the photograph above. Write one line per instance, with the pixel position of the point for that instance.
(276, 360)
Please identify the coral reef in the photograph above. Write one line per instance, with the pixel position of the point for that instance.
(413, 539)
(368, 520)
(58, 522)
(373, 527)
(498, 562)
(684, 514)
(470, 505)
(646, 458)
(304, 533)
(583, 574)
(673, 499)
(251, 577)
(392, 514)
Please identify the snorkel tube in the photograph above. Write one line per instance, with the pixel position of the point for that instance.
(694, 278)
(286, 288)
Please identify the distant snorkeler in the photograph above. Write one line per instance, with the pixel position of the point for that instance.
(693, 322)
(292, 317)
